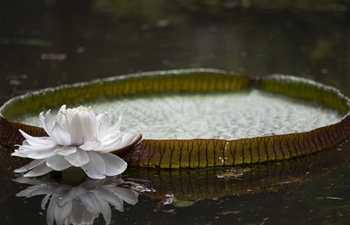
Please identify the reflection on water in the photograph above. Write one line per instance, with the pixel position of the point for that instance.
(71, 198)
(195, 185)
(80, 204)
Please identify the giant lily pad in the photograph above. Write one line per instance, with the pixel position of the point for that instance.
(194, 185)
(201, 117)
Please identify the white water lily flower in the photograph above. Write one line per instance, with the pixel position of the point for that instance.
(79, 204)
(78, 138)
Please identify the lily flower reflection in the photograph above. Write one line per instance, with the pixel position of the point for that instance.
(79, 204)
(77, 138)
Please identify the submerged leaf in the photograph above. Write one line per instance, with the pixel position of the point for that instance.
(182, 203)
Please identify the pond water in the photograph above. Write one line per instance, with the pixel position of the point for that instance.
(46, 43)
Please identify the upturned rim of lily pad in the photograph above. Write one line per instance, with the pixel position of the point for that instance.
(196, 152)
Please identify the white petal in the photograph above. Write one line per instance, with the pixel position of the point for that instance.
(74, 193)
(58, 163)
(44, 201)
(111, 133)
(30, 181)
(103, 122)
(91, 145)
(63, 213)
(42, 154)
(88, 122)
(30, 166)
(20, 153)
(35, 190)
(33, 153)
(128, 139)
(26, 146)
(62, 117)
(110, 197)
(78, 191)
(60, 135)
(75, 129)
(114, 164)
(91, 203)
(100, 202)
(66, 150)
(51, 210)
(112, 146)
(80, 215)
(125, 194)
(78, 158)
(47, 122)
(50, 125)
(38, 171)
(106, 212)
(37, 141)
(62, 109)
(96, 167)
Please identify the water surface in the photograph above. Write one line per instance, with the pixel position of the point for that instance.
(47, 43)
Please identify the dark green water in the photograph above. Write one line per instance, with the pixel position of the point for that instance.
(47, 43)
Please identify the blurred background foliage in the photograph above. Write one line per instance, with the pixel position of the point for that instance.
(154, 8)
(61, 40)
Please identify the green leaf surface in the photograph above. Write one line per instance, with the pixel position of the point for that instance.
(199, 150)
